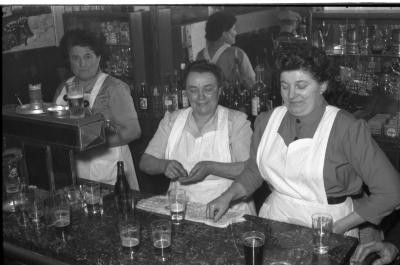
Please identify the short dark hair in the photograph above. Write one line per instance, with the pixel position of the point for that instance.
(203, 66)
(304, 56)
(218, 23)
(84, 38)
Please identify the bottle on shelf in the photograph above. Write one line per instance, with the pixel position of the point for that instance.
(143, 98)
(167, 99)
(122, 193)
(156, 101)
(303, 29)
(174, 91)
(257, 90)
(183, 99)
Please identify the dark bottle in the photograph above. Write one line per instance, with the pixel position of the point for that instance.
(143, 98)
(122, 191)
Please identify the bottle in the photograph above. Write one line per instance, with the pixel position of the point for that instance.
(258, 88)
(303, 29)
(167, 100)
(122, 191)
(156, 100)
(183, 99)
(143, 99)
(174, 90)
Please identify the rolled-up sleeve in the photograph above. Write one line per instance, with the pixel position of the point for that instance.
(158, 144)
(250, 178)
(377, 172)
(240, 137)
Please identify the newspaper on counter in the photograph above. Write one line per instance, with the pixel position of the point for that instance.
(195, 212)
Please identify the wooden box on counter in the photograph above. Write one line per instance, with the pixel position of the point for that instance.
(75, 134)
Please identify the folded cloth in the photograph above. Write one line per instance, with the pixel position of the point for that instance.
(195, 212)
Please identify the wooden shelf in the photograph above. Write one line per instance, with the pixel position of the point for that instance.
(353, 14)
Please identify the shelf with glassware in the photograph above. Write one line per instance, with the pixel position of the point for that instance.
(365, 47)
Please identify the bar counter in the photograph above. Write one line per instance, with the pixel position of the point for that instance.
(95, 240)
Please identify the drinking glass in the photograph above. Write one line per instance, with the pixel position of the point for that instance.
(322, 228)
(129, 232)
(74, 196)
(35, 206)
(92, 197)
(75, 100)
(177, 204)
(253, 245)
(59, 212)
(161, 237)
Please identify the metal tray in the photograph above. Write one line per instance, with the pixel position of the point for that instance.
(27, 109)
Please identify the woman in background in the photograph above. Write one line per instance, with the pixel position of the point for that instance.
(220, 36)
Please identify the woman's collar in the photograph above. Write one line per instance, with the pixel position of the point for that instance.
(314, 116)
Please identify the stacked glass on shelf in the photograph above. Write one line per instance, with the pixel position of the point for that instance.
(357, 38)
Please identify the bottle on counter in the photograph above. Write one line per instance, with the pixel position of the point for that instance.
(143, 98)
(122, 192)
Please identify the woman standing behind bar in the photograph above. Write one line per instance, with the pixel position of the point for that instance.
(220, 35)
(106, 95)
(314, 156)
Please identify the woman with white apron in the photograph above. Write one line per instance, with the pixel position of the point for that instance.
(197, 155)
(221, 35)
(108, 96)
(315, 157)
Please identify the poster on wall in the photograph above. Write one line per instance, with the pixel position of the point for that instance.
(27, 27)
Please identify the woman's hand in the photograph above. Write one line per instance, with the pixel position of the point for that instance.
(217, 208)
(199, 172)
(387, 252)
(173, 170)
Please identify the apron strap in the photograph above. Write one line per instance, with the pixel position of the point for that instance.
(217, 54)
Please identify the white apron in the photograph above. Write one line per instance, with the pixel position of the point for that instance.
(100, 164)
(295, 173)
(217, 54)
(212, 146)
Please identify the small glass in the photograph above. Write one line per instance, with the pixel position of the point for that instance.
(253, 245)
(74, 196)
(35, 207)
(322, 228)
(59, 213)
(92, 197)
(177, 204)
(129, 232)
(161, 237)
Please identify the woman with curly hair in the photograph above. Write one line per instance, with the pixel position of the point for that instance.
(314, 156)
(85, 52)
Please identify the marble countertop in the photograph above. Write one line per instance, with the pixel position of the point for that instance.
(95, 240)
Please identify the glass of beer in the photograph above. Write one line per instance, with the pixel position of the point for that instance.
(177, 205)
(75, 100)
(161, 237)
(253, 246)
(60, 213)
(129, 232)
(92, 197)
(322, 228)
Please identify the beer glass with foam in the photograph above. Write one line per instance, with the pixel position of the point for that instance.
(75, 100)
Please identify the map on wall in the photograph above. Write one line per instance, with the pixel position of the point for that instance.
(27, 27)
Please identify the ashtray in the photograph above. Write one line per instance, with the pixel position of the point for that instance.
(58, 111)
